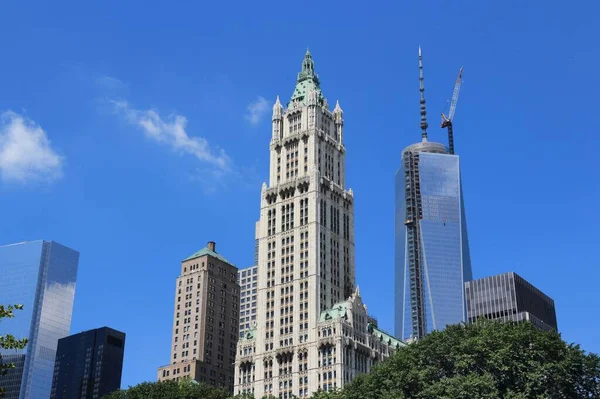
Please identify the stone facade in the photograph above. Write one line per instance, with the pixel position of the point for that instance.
(205, 322)
(248, 281)
(306, 272)
(348, 344)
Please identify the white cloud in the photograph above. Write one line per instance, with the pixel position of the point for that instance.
(25, 151)
(172, 132)
(110, 84)
(256, 110)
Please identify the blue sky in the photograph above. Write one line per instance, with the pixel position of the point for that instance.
(136, 131)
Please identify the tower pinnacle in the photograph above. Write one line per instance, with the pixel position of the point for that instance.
(277, 109)
(424, 123)
(307, 81)
(277, 106)
(308, 66)
(337, 109)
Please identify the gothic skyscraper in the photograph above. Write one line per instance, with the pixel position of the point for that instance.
(432, 251)
(312, 329)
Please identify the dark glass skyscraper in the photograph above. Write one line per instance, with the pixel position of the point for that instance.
(509, 297)
(89, 364)
(432, 259)
(41, 276)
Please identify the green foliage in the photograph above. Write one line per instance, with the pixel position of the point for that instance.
(8, 341)
(337, 394)
(484, 360)
(243, 396)
(184, 389)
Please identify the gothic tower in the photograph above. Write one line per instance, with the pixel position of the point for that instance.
(305, 236)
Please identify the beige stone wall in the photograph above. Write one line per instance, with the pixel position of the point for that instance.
(342, 350)
(306, 268)
(247, 279)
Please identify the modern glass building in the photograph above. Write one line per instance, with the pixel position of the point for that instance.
(509, 297)
(89, 364)
(432, 249)
(40, 275)
(432, 259)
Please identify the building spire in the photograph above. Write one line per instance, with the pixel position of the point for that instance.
(424, 123)
(277, 110)
(308, 65)
(307, 81)
(337, 109)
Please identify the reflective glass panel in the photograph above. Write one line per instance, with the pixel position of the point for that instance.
(41, 276)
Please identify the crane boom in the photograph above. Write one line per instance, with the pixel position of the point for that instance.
(447, 120)
(455, 94)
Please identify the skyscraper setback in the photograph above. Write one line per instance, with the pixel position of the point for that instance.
(432, 259)
(313, 331)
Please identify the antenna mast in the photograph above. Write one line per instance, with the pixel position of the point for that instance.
(424, 123)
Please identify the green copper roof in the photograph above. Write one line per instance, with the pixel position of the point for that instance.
(308, 80)
(337, 311)
(384, 337)
(250, 334)
(206, 251)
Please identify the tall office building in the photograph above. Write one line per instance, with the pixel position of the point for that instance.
(205, 322)
(40, 275)
(312, 328)
(248, 282)
(88, 365)
(432, 259)
(509, 297)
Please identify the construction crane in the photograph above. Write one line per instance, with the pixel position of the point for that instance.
(447, 120)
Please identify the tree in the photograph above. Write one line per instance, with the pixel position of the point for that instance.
(250, 396)
(335, 394)
(8, 341)
(183, 389)
(243, 396)
(484, 360)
